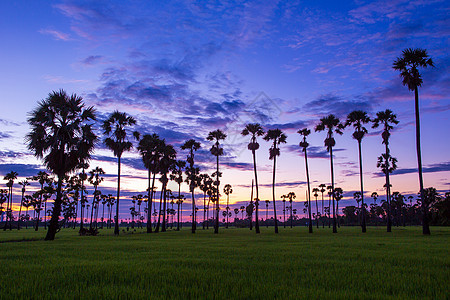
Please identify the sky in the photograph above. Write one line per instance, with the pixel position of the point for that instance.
(184, 68)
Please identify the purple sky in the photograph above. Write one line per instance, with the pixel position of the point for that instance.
(186, 68)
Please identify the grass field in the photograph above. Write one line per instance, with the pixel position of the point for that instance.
(236, 264)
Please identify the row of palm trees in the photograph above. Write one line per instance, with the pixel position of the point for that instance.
(62, 135)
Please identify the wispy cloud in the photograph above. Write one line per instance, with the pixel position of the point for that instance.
(56, 34)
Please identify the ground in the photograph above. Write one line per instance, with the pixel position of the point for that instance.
(235, 264)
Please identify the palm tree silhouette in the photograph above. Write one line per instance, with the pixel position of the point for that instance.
(216, 150)
(166, 163)
(387, 163)
(62, 135)
(304, 144)
(338, 194)
(267, 212)
(316, 191)
(150, 149)
(227, 190)
(408, 65)
(255, 130)
(10, 177)
(283, 197)
(177, 176)
(205, 181)
(95, 179)
(358, 118)
(278, 137)
(332, 125)
(23, 183)
(192, 174)
(115, 128)
(291, 196)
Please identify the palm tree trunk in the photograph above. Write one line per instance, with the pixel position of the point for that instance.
(257, 194)
(82, 190)
(228, 201)
(150, 202)
(158, 224)
(193, 227)
(163, 229)
(364, 229)
(273, 193)
(204, 210)
(20, 211)
(53, 226)
(216, 229)
(92, 210)
(332, 186)
(317, 213)
(284, 213)
(310, 227)
(116, 225)
(425, 223)
(388, 192)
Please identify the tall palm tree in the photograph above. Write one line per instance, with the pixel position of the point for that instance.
(61, 134)
(322, 187)
(95, 179)
(227, 190)
(332, 125)
(304, 144)
(216, 150)
(278, 137)
(338, 195)
(386, 162)
(408, 65)
(192, 174)
(255, 130)
(10, 177)
(166, 164)
(150, 149)
(116, 130)
(357, 119)
(284, 197)
(316, 194)
(23, 183)
(177, 176)
(291, 196)
(204, 180)
(267, 212)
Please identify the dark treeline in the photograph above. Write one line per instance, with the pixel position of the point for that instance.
(63, 134)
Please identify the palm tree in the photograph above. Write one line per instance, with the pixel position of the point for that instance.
(95, 179)
(150, 149)
(278, 137)
(387, 163)
(304, 144)
(204, 186)
(83, 198)
(291, 196)
(115, 128)
(267, 212)
(166, 164)
(255, 130)
(227, 190)
(192, 174)
(177, 176)
(332, 125)
(316, 194)
(216, 150)
(10, 177)
(375, 197)
(23, 183)
(61, 134)
(338, 194)
(408, 65)
(358, 118)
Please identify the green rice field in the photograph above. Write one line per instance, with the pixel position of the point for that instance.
(235, 264)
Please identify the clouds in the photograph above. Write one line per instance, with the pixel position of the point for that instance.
(439, 167)
(56, 34)
(334, 104)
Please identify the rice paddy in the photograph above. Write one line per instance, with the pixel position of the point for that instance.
(235, 264)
